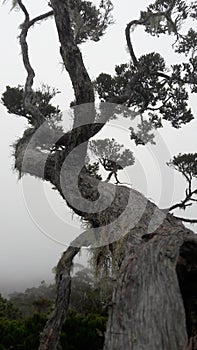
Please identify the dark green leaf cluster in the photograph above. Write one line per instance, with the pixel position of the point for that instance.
(190, 73)
(186, 164)
(21, 334)
(83, 332)
(8, 309)
(88, 21)
(79, 332)
(167, 16)
(187, 43)
(151, 88)
(13, 100)
(112, 89)
(84, 327)
(193, 12)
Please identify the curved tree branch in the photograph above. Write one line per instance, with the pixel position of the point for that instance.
(191, 221)
(23, 8)
(143, 21)
(36, 116)
(128, 39)
(183, 204)
(40, 18)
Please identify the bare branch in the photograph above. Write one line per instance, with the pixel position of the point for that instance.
(128, 39)
(23, 8)
(37, 116)
(191, 221)
(50, 335)
(183, 204)
(143, 21)
(41, 17)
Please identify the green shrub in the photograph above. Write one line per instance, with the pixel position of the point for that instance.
(79, 332)
(83, 332)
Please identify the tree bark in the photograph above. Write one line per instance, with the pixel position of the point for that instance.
(50, 335)
(152, 308)
(71, 54)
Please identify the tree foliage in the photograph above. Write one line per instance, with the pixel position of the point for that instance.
(186, 164)
(13, 99)
(8, 309)
(157, 91)
(84, 327)
(78, 333)
(151, 88)
(88, 21)
(112, 150)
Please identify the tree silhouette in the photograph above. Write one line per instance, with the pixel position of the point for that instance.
(110, 157)
(186, 164)
(153, 252)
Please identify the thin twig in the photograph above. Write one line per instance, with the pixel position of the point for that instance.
(192, 221)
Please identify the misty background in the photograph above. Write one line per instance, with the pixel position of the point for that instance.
(35, 224)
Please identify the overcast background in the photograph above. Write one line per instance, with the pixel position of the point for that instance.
(33, 232)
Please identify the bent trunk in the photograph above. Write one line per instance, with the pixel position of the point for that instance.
(152, 308)
(154, 303)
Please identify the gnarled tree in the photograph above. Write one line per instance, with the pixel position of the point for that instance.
(155, 256)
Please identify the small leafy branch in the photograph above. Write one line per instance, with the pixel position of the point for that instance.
(158, 92)
(111, 157)
(186, 164)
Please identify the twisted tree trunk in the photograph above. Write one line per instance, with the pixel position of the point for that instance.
(154, 301)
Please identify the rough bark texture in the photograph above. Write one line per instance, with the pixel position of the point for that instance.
(71, 54)
(152, 308)
(148, 309)
(50, 335)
